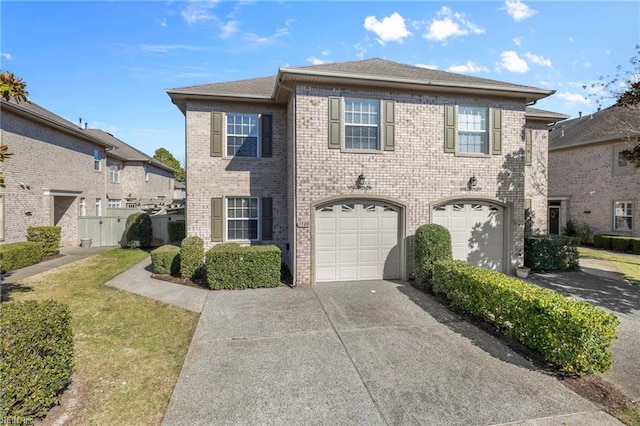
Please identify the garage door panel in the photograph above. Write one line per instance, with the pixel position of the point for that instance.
(326, 223)
(347, 273)
(348, 224)
(368, 240)
(369, 224)
(326, 257)
(369, 256)
(326, 241)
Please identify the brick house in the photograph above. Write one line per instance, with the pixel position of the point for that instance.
(589, 182)
(60, 171)
(338, 164)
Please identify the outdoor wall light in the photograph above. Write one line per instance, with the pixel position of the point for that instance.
(360, 182)
(472, 183)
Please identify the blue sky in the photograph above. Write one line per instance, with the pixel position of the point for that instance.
(110, 62)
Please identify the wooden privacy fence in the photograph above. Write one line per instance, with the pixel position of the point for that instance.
(109, 231)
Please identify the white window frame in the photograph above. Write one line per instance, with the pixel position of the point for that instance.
(626, 214)
(114, 203)
(229, 219)
(98, 206)
(82, 207)
(97, 160)
(241, 126)
(131, 205)
(470, 127)
(114, 172)
(364, 121)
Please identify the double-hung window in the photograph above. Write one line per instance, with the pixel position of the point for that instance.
(242, 135)
(361, 124)
(114, 203)
(242, 218)
(623, 216)
(114, 173)
(472, 130)
(96, 160)
(98, 206)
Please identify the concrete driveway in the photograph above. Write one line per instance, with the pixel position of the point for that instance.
(366, 353)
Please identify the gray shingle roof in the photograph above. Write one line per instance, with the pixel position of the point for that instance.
(550, 116)
(612, 124)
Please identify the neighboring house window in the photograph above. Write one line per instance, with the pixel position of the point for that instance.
(242, 218)
(472, 130)
(131, 205)
(83, 206)
(623, 216)
(98, 206)
(242, 135)
(361, 124)
(96, 160)
(114, 173)
(621, 161)
(114, 204)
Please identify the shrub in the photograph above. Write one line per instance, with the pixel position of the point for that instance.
(176, 230)
(635, 248)
(551, 253)
(138, 230)
(574, 335)
(191, 257)
(36, 356)
(433, 243)
(19, 255)
(166, 260)
(582, 231)
(47, 236)
(230, 266)
(623, 244)
(602, 242)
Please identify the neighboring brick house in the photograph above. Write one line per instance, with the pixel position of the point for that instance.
(338, 165)
(589, 182)
(60, 171)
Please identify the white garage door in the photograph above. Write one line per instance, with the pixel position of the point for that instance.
(477, 232)
(357, 241)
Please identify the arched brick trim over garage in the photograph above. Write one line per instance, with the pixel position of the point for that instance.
(358, 238)
(480, 230)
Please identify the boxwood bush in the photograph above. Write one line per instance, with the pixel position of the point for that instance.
(230, 266)
(432, 243)
(551, 253)
(138, 230)
(635, 248)
(617, 243)
(47, 236)
(36, 357)
(191, 257)
(19, 255)
(176, 230)
(166, 260)
(574, 335)
(602, 242)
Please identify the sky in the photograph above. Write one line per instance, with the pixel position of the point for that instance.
(110, 63)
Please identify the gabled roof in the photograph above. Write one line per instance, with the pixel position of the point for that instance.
(543, 115)
(377, 73)
(613, 124)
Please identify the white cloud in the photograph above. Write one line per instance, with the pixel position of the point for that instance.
(430, 67)
(255, 38)
(198, 11)
(315, 61)
(518, 10)
(360, 51)
(325, 52)
(6, 56)
(469, 67)
(229, 29)
(163, 22)
(538, 60)
(166, 48)
(451, 24)
(517, 41)
(510, 61)
(391, 28)
(571, 99)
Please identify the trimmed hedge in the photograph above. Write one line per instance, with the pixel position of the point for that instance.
(636, 246)
(138, 230)
(574, 335)
(191, 257)
(176, 230)
(551, 253)
(166, 260)
(433, 243)
(36, 354)
(602, 242)
(230, 266)
(47, 236)
(19, 255)
(617, 243)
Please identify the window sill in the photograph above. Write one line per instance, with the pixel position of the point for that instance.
(362, 151)
(472, 155)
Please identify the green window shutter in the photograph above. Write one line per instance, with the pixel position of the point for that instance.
(450, 128)
(266, 214)
(216, 134)
(335, 123)
(216, 219)
(528, 148)
(496, 131)
(266, 133)
(388, 126)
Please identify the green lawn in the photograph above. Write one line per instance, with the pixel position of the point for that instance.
(128, 349)
(627, 265)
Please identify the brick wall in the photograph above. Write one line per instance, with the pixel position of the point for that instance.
(536, 177)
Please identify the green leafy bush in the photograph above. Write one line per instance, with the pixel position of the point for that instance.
(138, 230)
(602, 242)
(617, 243)
(176, 230)
(166, 260)
(230, 266)
(36, 355)
(19, 255)
(582, 231)
(432, 243)
(47, 236)
(191, 257)
(574, 335)
(551, 253)
(635, 248)
(623, 244)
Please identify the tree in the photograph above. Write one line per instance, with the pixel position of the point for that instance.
(10, 87)
(165, 157)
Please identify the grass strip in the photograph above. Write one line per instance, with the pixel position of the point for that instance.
(627, 265)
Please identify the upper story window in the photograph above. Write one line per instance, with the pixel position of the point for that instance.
(114, 203)
(361, 124)
(114, 173)
(242, 135)
(96, 160)
(623, 216)
(472, 130)
(146, 174)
